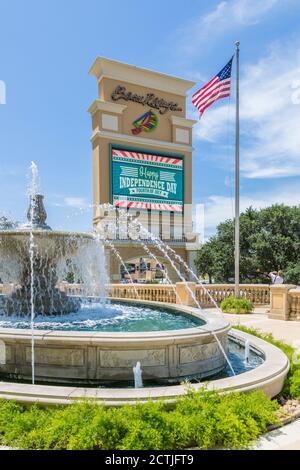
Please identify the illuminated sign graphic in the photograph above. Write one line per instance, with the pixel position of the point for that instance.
(147, 122)
(146, 181)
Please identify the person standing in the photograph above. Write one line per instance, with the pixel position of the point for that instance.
(276, 277)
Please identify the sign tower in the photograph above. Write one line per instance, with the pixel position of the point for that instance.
(142, 163)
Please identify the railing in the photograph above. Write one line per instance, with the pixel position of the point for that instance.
(146, 241)
(71, 289)
(259, 294)
(283, 300)
(155, 292)
(6, 289)
(294, 304)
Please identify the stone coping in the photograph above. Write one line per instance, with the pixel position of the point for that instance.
(50, 233)
(268, 377)
(213, 323)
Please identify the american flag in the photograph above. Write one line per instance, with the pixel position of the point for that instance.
(218, 87)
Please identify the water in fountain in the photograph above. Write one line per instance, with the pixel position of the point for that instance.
(79, 258)
(247, 351)
(137, 373)
(152, 255)
(136, 236)
(158, 243)
(162, 247)
(33, 191)
(169, 249)
(192, 273)
(120, 259)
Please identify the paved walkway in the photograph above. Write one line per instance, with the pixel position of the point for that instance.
(289, 331)
(285, 438)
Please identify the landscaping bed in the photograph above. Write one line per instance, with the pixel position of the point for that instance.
(203, 419)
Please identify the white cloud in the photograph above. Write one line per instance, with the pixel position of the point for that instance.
(79, 203)
(250, 12)
(214, 122)
(270, 140)
(219, 208)
(227, 16)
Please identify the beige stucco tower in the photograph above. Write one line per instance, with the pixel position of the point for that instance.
(142, 163)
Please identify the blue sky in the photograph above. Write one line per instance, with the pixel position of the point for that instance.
(48, 46)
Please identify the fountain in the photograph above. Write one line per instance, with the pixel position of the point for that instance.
(51, 337)
(30, 258)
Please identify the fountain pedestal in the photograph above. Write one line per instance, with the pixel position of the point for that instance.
(35, 241)
(49, 248)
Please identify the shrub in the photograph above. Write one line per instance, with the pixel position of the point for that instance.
(234, 305)
(292, 383)
(204, 418)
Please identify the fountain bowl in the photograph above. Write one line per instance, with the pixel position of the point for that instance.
(49, 248)
(78, 354)
(73, 357)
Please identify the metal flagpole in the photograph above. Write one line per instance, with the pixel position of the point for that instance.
(237, 181)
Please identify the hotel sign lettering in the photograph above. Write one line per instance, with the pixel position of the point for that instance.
(146, 181)
(150, 99)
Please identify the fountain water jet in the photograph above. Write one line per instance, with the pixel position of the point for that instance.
(36, 258)
(247, 351)
(119, 257)
(161, 247)
(137, 373)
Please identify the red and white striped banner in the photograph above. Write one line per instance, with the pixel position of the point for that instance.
(146, 158)
(124, 204)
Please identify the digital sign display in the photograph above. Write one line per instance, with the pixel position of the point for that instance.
(146, 181)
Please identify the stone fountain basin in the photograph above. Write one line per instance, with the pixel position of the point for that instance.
(54, 243)
(71, 357)
(268, 377)
(49, 249)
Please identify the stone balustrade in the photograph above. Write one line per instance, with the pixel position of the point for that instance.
(155, 292)
(6, 289)
(259, 294)
(294, 304)
(71, 289)
(283, 299)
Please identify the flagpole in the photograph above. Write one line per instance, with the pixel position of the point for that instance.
(237, 180)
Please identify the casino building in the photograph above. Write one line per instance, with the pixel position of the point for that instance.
(142, 164)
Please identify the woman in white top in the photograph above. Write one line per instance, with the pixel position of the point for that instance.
(276, 277)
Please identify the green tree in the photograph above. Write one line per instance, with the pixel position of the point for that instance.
(206, 260)
(269, 240)
(292, 274)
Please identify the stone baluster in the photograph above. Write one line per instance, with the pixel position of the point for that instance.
(280, 301)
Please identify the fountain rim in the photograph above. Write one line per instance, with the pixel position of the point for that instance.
(268, 377)
(49, 232)
(213, 323)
